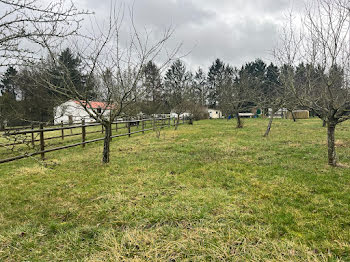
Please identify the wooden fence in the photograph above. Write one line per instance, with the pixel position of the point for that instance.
(146, 125)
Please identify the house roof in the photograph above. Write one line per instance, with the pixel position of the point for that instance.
(94, 104)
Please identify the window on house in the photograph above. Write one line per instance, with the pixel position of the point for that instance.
(216, 112)
(99, 110)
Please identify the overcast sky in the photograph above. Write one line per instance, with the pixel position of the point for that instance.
(236, 31)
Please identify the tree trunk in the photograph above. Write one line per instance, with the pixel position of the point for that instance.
(324, 122)
(269, 126)
(107, 141)
(239, 121)
(332, 161)
(293, 116)
(177, 121)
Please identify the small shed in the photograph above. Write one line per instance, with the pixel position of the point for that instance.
(214, 113)
(299, 114)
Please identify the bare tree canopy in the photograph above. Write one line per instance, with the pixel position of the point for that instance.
(24, 23)
(320, 50)
(113, 58)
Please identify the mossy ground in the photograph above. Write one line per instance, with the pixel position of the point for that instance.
(207, 192)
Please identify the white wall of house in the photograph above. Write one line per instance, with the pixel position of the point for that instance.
(72, 111)
(214, 113)
(279, 114)
(174, 115)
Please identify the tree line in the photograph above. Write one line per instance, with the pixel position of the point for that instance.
(24, 99)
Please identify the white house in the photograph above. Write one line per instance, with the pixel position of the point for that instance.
(72, 112)
(281, 113)
(214, 113)
(174, 115)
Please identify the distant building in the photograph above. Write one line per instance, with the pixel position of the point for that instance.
(299, 114)
(246, 115)
(214, 113)
(183, 115)
(73, 112)
(281, 113)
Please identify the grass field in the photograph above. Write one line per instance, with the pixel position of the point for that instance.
(207, 192)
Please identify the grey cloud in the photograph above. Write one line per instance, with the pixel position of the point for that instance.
(157, 12)
(236, 31)
(233, 43)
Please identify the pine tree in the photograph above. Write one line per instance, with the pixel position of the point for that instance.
(200, 87)
(67, 76)
(152, 102)
(177, 87)
(8, 85)
(9, 111)
(215, 81)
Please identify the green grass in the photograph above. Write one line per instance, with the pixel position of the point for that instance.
(207, 192)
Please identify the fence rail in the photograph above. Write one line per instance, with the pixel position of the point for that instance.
(48, 124)
(147, 125)
(62, 128)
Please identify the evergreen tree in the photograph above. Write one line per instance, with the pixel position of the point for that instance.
(8, 85)
(37, 102)
(177, 85)
(272, 81)
(152, 100)
(9, 111)
(200, 87)
(216, 80)
(67, 76)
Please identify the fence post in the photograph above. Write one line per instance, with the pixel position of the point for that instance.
(42, 141)
(116, 126)
(83, 131)
(169, 121)
(33, 138)
(102, 129)
(110, 131)
(143, 125)
(62, 131)
(154, 123)
(129, 130)
(183, 119)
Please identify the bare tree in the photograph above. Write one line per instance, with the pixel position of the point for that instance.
(24, 23)
(271, 94)
(323, 43)
(114, 62)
